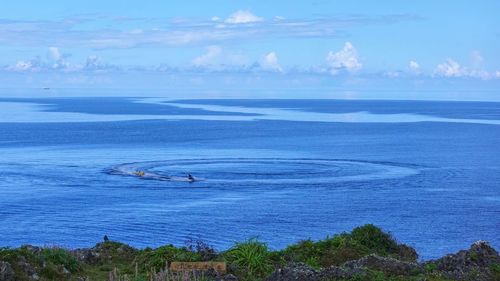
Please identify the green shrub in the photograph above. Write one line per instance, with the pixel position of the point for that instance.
(430, 266)
(158, 258)
(250, 259)
(495, 271)
(58, 256)
(375, 239)
(340, 248)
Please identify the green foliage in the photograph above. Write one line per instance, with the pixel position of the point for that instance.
(431, 266)
(8, 255)
(58, 256)
(374, 239)
(340, 248)
(158, 258)
(250, 259)
(495, 271)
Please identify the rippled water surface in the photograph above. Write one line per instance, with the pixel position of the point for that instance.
(282, 170)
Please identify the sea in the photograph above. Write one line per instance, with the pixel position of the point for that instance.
(75, 169)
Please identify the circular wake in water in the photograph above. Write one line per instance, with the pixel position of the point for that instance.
(264, 170)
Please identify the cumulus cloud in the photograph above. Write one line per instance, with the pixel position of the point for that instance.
(54, 53)
(95, 63)
(57, 61)
(345, 59)
(477, 59)
(243, 16)
(216, 58)
(449, 68)
(213, 53)
(414, 66)
(25, 66)
(270, 62)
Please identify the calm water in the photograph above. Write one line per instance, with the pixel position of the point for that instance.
(282, 170)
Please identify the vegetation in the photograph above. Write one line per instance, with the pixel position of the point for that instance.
(248, 260)
(338, 249)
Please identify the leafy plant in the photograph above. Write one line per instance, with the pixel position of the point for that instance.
(58, 256)
(250, 258)
(159, 257)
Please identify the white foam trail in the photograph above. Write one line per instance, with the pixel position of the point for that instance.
(367, 170)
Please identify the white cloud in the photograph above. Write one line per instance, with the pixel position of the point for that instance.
(95, 63)
(482, 74)
(25, 66)
(450, 68)
(58, 59)
(215, 19)
(347, 59)
(414, 66)
(242, 16)
(54, 53)
(216, 58)
(213, 53)
(497, 74)
(477, 59)
(270, 62)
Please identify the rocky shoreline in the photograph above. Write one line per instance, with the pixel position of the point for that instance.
(367, 253)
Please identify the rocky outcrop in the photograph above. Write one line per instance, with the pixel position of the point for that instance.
(6, 272)
(212, 274)
(103, 252)
(407, 253)
(476, 263)
(27, 269)
(294, 271)
(356, 268)
(387, 265)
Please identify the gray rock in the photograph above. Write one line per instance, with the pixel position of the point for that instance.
(227, 277)
(388, 265)
(472, 263)
(88, 256)
(25, 267)
(337, 272)
(6, 272)
(103, 252)
(407, 253)
(35, 250)
(294, 272)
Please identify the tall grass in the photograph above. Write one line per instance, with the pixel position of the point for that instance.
(250, 259)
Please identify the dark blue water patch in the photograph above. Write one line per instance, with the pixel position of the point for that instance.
(114, 105)
(447, 109)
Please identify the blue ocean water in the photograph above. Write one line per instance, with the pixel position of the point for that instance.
(281, 170)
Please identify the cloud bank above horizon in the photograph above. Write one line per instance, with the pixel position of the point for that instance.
(350, 43)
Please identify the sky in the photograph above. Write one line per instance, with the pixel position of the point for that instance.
(388, 49)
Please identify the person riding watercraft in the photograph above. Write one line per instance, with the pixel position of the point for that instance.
(139, 173)
(190, 178)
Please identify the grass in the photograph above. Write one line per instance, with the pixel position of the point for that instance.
(248, 260)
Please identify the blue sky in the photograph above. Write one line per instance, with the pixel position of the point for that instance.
(250, 46)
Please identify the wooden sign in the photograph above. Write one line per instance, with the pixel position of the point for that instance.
(218, 266)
